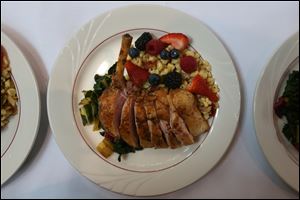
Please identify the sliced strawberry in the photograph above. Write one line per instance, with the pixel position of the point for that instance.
(188, 64)
(136, 74)
(177, 40)
(200, 86)
(154, 47)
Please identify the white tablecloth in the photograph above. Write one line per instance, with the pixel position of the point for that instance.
(251, 31)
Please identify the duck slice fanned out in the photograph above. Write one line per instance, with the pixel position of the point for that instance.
(186, 106)
(141, 124)
(127, 126)
(110, 107)
(163, 114)
(178, 126)
(157, 137)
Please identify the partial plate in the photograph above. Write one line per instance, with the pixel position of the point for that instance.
(18, 137)
(279, 154)
(93, 50)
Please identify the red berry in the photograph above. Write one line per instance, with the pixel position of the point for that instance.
(177, 40)
(200, 86)
(136, 74)
(154, 47)
(188, 64)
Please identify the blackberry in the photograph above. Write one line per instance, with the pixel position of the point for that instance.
(173, 80)
(141, 42)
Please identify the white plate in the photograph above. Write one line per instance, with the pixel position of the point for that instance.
(19, 136)
(278, 152)
(93, 50)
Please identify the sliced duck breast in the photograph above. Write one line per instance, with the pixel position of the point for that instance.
(110, 107)
(169, 134)
(157, 138)
(127, 126)
(186, 106)
(112, 99)
(163, 115)
(178, 126)
(141, 124)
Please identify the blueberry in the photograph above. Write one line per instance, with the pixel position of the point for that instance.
(174, 53)
(164, 54)
(134, 52)
(154, 79)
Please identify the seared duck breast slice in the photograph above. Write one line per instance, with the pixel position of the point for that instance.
(141, 124)
(163, 114)
(186, 106)
(178, 126)
(157, 138)
(110, 107)
(127, 127)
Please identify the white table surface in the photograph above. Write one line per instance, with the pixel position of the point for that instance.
(251, 31)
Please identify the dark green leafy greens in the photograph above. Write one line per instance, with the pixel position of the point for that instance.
(89, 104)
(122, 148)
(89, 110)
(101, 83)
(288, 106)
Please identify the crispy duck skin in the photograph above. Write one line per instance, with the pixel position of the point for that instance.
(169, 134)
(141, 124)
(178, 126)
(157, 138)
(186, 106)
(112, 99)
(163, 114)
(110, 106)
(127, 126)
